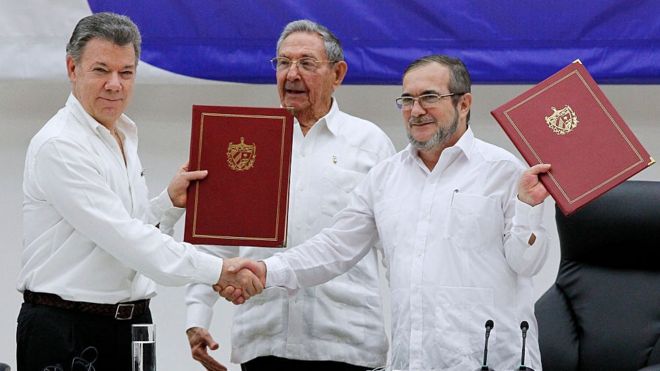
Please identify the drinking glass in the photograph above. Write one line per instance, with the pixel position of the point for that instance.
(144, 347)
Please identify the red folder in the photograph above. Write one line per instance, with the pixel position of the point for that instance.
(567, 121)
(244, 198)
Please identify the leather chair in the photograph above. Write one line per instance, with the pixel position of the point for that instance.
(603, 311)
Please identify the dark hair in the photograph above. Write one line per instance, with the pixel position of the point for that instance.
(459, 77)
(333, 49)
(116, 28)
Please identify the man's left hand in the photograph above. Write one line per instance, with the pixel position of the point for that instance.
(530, 189)
(200, 342)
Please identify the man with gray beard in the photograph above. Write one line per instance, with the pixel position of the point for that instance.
(442, 134)
(460, 223)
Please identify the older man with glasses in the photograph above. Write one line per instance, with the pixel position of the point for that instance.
(339, 325)
(460, 223)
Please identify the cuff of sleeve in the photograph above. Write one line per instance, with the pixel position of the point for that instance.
(198, 315)
(162, 203)
(209, 267)
(172, 215)
(275, 271)
(528, 215)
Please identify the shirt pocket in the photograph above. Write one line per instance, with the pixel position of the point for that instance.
(261, 316)
(460, 314)
(475, 222)
(339, 315)
(337, 185)
(140, 194)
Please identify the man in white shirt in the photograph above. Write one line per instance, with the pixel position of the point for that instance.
(460, 222)
(338, 325)
(91, 245)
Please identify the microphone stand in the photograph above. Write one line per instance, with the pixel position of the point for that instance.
(484, 366)
(524, 326)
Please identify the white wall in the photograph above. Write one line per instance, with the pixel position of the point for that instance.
(163, 115)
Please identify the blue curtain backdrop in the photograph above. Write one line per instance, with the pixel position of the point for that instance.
(506, 41)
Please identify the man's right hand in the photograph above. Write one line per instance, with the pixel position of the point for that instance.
(247, 282)
(199, 340)
(245, 268)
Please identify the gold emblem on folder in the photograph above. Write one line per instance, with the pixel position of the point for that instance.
(562, 121)
(241, 156)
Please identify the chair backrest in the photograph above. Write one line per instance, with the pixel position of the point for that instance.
(4, 367)
(603, 312)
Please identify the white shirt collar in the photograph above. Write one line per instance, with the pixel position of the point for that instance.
(464, 145)
(124, 124)
(330, 120)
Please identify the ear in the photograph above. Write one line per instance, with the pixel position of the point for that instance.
(71, 68)
(464, 104)
(340, 68)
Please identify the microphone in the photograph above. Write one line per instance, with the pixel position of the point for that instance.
(484, 366)
(524, 326)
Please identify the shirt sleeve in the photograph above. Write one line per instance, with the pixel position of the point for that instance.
(68, 178)
(524, 258)
(167, 215)
(386, 148)
(524, 224)
(331, 252)
(201, 298)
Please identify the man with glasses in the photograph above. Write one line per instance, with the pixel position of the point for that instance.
(460, 223)
(336, 326)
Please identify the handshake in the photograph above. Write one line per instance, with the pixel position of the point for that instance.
(241, 279)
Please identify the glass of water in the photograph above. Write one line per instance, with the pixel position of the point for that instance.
(144, 347)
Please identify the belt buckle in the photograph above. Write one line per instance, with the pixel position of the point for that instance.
(118, 315)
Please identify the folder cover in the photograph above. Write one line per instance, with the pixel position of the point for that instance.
(567, 121)
(244, 199)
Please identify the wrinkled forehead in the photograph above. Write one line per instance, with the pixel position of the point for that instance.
(303, 44)
(108, 48)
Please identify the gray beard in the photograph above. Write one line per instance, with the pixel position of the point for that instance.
(439, 138)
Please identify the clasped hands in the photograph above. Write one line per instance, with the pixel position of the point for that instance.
(241, 279)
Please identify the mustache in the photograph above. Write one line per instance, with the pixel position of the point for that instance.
(416, 121)
(294, 86)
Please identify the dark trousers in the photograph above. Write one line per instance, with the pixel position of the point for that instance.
(271, 363)
(57, 339)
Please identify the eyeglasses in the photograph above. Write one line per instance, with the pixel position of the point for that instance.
(406, 103)
(307, 64)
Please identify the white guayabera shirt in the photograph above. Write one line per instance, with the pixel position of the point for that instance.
(342, 319)
(455, 241)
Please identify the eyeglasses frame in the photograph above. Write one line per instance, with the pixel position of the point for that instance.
(273, 63)
(417, 99)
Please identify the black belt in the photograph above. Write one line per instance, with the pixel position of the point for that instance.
(120, 311)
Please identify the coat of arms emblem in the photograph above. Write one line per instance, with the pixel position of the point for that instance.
(241, 156)
(562, 121)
